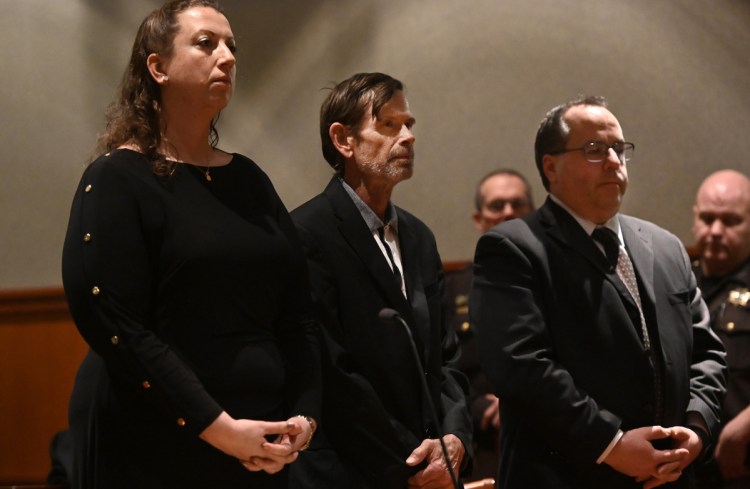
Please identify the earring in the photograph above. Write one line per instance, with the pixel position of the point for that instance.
(164, 78)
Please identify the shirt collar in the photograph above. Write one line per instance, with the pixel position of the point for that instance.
(371, 219)
(613, 223)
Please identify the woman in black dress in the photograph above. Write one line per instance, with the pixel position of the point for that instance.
(184, 274)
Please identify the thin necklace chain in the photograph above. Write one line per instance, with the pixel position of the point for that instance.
(207, 170)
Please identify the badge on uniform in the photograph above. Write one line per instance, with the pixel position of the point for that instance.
(739, 297)
(462, 304)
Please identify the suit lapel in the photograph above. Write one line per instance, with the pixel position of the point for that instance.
(640, 250)
(562, 227)
(565, 229)
(419, 311)
(358, 236)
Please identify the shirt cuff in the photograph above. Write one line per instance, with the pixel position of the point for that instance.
(609, 448)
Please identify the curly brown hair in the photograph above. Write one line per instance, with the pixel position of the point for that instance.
(134, 117)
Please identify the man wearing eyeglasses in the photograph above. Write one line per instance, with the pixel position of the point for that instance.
(501, 195)
(591, 328)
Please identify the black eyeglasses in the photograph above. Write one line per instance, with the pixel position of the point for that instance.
(597, 151)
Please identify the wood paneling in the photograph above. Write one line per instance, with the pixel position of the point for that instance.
(40, 351)
(453, 266)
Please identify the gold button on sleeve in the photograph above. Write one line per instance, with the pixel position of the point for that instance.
(730, 326)
(86, 238)
(95, 290)
(465, 326)
(180, 421)
(146, 384)
(88, 188)
(115, 340)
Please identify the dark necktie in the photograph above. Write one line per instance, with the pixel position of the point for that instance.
(611, 243)
(625, 271)
(389, 252)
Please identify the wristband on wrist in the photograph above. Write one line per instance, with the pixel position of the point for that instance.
(313, 427)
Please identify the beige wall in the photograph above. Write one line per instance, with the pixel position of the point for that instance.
(480, 74)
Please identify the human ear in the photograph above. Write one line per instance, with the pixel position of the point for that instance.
(155, 67)
(476, 218)
(342, 139)
(549, 165)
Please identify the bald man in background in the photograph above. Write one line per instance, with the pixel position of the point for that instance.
(721, 227)
(501, 195)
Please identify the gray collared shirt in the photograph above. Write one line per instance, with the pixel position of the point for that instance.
(374, 223)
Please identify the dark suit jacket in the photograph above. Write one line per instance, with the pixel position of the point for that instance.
(374, 414)
(559, 340)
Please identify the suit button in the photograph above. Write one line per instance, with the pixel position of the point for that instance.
(180, 422)
(87, 189)
(730, 326)
(146, 384)
(95, 290)
(115, 340)
(465, 326)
